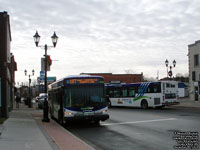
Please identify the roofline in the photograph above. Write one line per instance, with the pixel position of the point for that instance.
(107, 74)
(5, 14)
(196, 42)
(76, 76)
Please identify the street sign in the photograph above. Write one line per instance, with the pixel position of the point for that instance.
(42, 75)
(43, 64)
(51, 79)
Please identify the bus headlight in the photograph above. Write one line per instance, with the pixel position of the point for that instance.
(105, 111)
(68, 113)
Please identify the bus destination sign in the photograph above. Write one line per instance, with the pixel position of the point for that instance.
(84, 81)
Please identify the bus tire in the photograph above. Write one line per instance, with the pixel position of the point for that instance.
(50, 110)
(60, 117)
(144, 104)
(97, 122)
(160, 107)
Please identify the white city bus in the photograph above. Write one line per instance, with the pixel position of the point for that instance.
(144, 94)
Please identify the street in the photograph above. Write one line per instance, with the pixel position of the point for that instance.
(133, 128)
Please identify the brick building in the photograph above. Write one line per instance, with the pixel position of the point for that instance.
(8, 67)
(122, 78)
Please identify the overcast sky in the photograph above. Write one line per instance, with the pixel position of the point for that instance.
(103, 36)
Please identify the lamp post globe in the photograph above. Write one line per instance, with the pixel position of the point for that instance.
(29, 86)
(174, 62)
(36, 38)
(166, 62)
(170, 73)
(25, 72)
(54, 39)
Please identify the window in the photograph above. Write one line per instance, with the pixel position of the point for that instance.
(167, 85)
(78, 96)
(170, 96)
(196, 60)
(116, 92)
(173, 85)
(154, 88)
(193, 75)
(124, 93)
(110, 92)
(131, 92)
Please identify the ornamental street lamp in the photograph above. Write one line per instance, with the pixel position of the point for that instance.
(170, 67)
(29, 87)
(54, 38)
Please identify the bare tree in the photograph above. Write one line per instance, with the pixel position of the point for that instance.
(149, 79)
(129, 71)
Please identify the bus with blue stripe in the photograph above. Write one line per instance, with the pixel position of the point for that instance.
(79, 97)
(144, 94)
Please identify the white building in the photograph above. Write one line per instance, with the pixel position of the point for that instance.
(194, 70)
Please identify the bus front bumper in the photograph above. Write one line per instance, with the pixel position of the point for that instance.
(87, 118)
(170, 103)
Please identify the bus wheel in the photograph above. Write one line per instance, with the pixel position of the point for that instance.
(50, 110)
(160, 107)
(60, 117)
(97, 122)
(144, 104)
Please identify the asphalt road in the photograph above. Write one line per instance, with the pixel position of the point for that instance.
(152, 129)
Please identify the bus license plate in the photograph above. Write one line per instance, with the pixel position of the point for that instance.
(88, 113)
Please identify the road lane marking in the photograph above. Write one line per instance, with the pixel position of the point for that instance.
(134, 122)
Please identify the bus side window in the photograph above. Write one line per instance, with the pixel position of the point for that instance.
(110, 93)
(124, 92)
(155, 89)
(148, 90)
(163, 87)
(167, 85)
(173, 85)
(116, 93)
(131, 92)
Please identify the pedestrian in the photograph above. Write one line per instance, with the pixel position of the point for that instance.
(17, 101)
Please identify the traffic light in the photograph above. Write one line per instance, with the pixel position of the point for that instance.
(49, 60)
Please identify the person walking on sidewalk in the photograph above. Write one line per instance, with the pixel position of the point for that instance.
(17, 101)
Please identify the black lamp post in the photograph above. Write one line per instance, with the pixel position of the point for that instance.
(54, 38)
(29, 87)
(170, 67)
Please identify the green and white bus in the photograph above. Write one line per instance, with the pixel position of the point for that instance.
(79, 97)
(144, 94)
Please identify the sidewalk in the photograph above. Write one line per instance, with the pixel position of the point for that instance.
(24, 130)
(185, 102)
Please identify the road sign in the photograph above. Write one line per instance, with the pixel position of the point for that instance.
(42, 75)
(43, 64)
(51, 79)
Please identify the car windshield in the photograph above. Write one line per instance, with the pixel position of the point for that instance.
(43, 96)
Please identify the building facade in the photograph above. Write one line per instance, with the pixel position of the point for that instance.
(119, 78)
(194, 70)
(8, 67)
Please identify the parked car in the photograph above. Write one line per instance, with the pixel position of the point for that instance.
(41, 100)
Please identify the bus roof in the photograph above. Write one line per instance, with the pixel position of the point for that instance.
(137, 84)
(81, 76)
(61, 81)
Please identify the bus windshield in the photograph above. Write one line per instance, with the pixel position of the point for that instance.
(81, 96)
